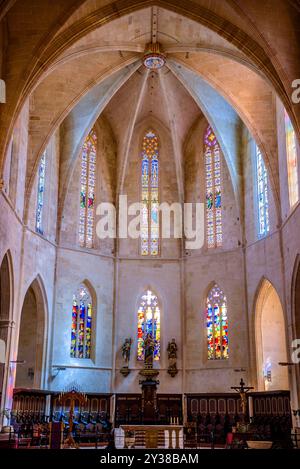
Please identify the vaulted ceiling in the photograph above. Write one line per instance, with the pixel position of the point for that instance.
(79, 59)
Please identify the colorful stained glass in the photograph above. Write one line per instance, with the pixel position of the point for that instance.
(81, 327)
(217, 324)
(40, 194)
(149, 196)
(292, 164)
(262, 194)
(213, 189)
(87, 190)
(148, 323)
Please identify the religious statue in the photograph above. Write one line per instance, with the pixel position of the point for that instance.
(126, 350)
(126, 356)
(149, 346)
(172, 357)
(242, 390)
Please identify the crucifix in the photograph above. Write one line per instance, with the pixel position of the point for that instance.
(242, 390)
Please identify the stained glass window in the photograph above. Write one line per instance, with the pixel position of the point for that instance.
(81, 328)
(148, 323)
(149, 196)
(40, 194)
(212, 157)
(87, 190)
(217, 324)
(292, 165)
(262, 194)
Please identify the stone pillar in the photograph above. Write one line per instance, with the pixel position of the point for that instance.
(6, 330)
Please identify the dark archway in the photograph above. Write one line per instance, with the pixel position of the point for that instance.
(297, 301)
(295, 295)
(5, 308)
(31, 339)
(270, 335)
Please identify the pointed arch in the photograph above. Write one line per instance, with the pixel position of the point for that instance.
(270, 338)
(262, 204)
(6, 313)
(150, 194)
(148, 322)
(295, 303)
(217, 324)
(213, 183)
(32, 344)
(6, 287)
(295, 296)
(87, 190)
(83, 307)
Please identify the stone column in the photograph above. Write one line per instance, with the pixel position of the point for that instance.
(6, 331)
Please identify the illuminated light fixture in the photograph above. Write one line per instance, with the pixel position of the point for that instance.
(154, 58)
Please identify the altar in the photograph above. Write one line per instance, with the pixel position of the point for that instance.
(149, 436)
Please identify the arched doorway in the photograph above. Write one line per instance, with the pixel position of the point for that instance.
(270, 338)
(5, 306)
(296, 320)
(31, 339)
(297, 300)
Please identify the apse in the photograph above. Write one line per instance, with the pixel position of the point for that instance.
(125, 110)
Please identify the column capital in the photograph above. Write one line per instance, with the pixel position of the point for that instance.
(5, 323)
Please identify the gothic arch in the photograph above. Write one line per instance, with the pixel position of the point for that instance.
(211, 350)
(33, 337)
(89, 335)
(139, 130)
(295, 312)
(270, 339)
(295, 299)
(234, 34)
(261, 56)
(6, 312)
(6, 287)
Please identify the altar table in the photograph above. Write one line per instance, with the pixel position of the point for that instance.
(173, 435)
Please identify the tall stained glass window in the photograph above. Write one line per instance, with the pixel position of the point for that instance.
(217, 324)
(262, 194)
(81, 328)
(212, 156)
(40, 195)
(292, 165)
(149, 196)
(148, 323)
(87, 190)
